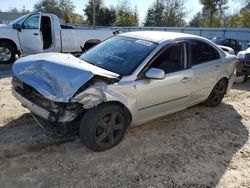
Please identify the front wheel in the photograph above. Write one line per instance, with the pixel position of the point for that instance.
(7, 53)
(103, 127)
(217, 94)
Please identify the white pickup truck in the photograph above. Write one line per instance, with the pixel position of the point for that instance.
(40, 32)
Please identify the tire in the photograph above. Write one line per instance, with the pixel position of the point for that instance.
(217, 94)
(245, 77)
(7, 53)
(87, 46)
(103, 127)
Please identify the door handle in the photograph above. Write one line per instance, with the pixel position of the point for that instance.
(35, 34)
(186, 79)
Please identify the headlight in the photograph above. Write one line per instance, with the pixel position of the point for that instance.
(241, 55)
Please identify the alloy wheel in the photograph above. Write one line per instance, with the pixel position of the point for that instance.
(109, 129)
(5, 54)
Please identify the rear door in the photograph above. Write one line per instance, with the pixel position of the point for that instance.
(206, 65)
(30, 36)
(159, 97)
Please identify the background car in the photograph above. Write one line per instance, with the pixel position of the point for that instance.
(243, 64)
(227, 49)
(127, 80)
(232, 43)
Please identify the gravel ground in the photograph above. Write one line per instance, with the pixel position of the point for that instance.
(197, 147)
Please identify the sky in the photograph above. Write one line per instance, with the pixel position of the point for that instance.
(192, 6)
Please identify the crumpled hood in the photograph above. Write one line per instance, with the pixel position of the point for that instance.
(56, 76)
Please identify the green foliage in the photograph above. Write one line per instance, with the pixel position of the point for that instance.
(49, 6)
(212, 12)
(166, 13)
(242, 19)
(196, 20)
(67, 8)
(161, 13)
(125, 16)
(64, 9)
(155, 15)
(104, 16)
(245, 16)
(174, 14)
(232, 21)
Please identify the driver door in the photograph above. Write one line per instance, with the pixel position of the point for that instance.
(30, 36)
(156, 98)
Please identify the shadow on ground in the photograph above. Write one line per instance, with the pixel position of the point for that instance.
(192, 148)
(5, 71)
(243, 86)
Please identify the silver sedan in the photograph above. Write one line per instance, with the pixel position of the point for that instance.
(126, 80)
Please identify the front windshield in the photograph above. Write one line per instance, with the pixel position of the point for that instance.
(118, 54)
(18, 20)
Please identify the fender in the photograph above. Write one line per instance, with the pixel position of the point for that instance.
(10, 35)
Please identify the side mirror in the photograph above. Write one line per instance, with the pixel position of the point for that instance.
(17, 27)
(154, 73)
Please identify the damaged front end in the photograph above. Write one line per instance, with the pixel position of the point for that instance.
(57, 118)
(47, 85)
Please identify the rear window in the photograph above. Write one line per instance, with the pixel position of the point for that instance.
(118, 54)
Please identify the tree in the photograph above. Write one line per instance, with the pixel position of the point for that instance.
(245, 16)
(239, 20)
(155, 15)
(49, 6)
(166, 13)
(232, 21)
(174, 13)
(125, 16)
(212, 10)
(104, 16)
(196, 21)
(64, 9)
(13, 10)
(67, 10)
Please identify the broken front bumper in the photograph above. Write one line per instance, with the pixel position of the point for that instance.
(31, 106)
(47, 120)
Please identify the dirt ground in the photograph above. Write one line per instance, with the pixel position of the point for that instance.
(197, 147)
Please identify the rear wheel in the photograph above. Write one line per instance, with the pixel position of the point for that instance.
(7, 53)
(103, 127)
(217, 94)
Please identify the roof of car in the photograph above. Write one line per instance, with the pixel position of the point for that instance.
(158, 36)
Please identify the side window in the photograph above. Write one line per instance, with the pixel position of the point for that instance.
(31, 22)
(202, 52)
(171, 60)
